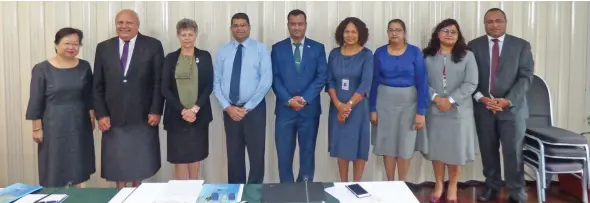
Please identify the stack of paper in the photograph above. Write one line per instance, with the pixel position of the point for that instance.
(42, 198)
(388, 191)
(177, 191)
(180, 191)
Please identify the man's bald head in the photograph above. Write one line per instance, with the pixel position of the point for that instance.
(127, 22)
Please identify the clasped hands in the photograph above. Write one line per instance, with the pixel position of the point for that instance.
(443, 103)
(297, 103)
(190, 115)
(495, 105)
(236, 113)
(104, 123)
(344, 110)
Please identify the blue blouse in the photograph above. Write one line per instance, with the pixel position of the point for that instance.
(404, 70)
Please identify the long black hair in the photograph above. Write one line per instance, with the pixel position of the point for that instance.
(460, 48)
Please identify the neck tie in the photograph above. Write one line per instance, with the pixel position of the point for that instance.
(234, 89)
(494, 64)
(124, 55)
(297, 56)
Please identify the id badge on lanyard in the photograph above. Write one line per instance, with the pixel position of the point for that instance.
(445, 75)
(345, 82)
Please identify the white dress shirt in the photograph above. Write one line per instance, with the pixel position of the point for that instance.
(479, 95)
(300, 47)
(129, 52)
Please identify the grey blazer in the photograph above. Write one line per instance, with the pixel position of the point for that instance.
(462, 80)
(514, 76)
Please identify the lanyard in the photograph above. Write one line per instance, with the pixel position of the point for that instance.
(444, 74)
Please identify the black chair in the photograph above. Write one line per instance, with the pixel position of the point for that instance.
(549, 149)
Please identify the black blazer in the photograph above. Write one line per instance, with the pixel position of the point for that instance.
(128, 100)
(172, 112)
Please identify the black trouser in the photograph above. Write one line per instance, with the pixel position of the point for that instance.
(493, 132)
(248, 133)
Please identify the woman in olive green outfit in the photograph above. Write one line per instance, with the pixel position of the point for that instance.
(187, 82)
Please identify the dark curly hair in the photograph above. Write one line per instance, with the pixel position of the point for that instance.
(460, 48)
(363, 31)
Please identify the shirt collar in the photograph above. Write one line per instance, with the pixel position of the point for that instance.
(130, 41)
(302, 41)
(245, 44)
(500, 39)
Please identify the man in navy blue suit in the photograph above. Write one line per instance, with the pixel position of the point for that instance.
(299, 75)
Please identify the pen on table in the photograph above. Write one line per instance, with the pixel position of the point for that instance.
(39, 200)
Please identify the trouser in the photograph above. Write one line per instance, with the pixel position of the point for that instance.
(248, 133)
(510, 134)
(290, 129)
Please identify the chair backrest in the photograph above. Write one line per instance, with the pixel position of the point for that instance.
(539, 102)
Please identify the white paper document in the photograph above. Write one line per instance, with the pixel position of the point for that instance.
(180, 191)
(386, 191)
(122, 195)
(145, 193)
(32, 198)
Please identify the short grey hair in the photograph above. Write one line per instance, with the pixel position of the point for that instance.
(186, 23)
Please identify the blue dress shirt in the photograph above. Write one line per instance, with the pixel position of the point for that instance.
(256, 76)
(404, 70)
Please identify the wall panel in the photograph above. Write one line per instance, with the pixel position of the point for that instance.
(558, 33)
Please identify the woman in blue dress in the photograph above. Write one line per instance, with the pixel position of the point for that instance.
(349, 81)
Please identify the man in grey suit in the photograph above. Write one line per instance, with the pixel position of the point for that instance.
(505, 73)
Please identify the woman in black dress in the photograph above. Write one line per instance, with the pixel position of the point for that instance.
(60, 107)
(187, 82)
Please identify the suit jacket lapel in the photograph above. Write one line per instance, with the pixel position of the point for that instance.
(137, 51)
(305, 56)
(504, 54)
(485, 50)
(290, 54)
(115, 54)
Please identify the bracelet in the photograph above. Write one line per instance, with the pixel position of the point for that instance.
(195, 109)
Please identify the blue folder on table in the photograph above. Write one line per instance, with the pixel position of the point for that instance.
(17, 191)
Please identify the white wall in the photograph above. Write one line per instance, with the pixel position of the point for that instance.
(558, 32)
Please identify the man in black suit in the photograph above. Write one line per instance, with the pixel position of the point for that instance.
(128, 102)
(506, 69)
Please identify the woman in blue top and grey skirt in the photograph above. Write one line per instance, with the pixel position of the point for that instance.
(453, 77)
(398, 101)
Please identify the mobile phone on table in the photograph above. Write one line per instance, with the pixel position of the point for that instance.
(357, 190)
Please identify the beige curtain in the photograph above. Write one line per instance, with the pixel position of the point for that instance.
(557, 31)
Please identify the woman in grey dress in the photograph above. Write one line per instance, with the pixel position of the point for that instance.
(453, 77)
(350, 72)
(60, 107)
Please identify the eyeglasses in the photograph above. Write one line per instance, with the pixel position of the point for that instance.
(397, 30)
(449, 32)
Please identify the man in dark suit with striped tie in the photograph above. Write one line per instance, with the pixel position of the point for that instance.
(506, 69)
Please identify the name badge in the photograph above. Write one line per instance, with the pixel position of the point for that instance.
(345, 84)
